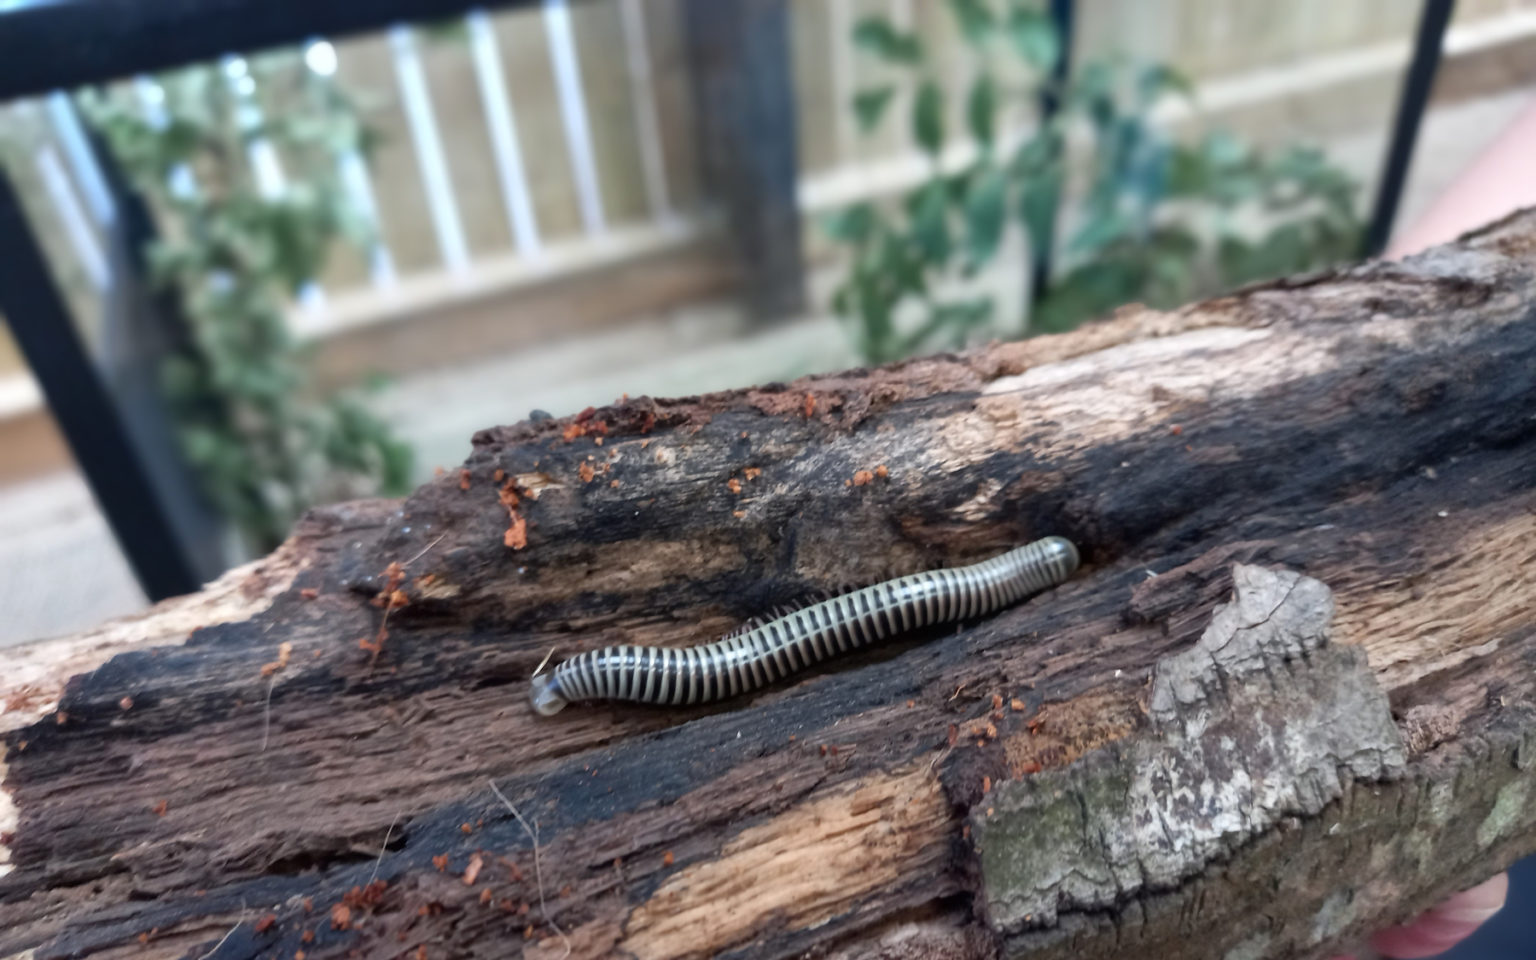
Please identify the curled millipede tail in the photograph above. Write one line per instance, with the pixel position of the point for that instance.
(765, 652)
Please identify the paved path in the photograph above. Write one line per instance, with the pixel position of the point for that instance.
(60, 569)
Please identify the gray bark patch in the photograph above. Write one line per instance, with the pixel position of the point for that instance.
(1260, 721)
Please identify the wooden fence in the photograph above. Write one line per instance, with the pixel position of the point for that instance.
(522, 144)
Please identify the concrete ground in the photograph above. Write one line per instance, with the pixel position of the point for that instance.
(60, 570)
(696, 349)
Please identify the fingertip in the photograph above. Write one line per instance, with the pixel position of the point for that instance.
(1478, 904)
(1442, 927)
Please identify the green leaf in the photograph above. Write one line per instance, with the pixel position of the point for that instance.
(180, 377)
(1093, 92)
(1171, 278)
(1222, 149)
(878, 36)
(902, 262)
(1233, 255)
(1034, 36)
(396, 462)
(928, 117)
(1188, 175)
(1172, 253)
(966, 315)
(956, 319)
(1038, 200)
(841, 299)
(878, 326)
(1120, 144)
(1037, 155)
(1223, 171)
(1148, 171)
(852, 226)
(1176, 240)
(929, 210)
(1158, 80)
(1300, 176)
(869, 106)
(1100, 231)
(975, 18)
(845, 299)
(958, 184)
(1283, 251)
(981, 109)
(1086, 292)
(985, 213)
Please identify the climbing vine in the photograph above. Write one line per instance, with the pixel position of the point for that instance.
(264, 441)
(1146, 217)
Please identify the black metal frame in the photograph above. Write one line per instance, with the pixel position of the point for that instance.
(745, 103)
(1417, 85)
(63, 44)
(1064, 16)
(109, 406)
(89, 415)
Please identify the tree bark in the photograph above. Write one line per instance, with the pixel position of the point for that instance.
(1289, 699)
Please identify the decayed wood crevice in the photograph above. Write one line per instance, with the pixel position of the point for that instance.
(1373, 431)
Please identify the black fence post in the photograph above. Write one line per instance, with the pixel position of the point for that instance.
(739, 50)
(1063, 16)
(1417, 84)
(119, 474)
(142, 328)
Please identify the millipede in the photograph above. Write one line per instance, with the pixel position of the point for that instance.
(762, 653)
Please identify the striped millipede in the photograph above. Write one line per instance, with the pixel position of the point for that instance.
(763, 653)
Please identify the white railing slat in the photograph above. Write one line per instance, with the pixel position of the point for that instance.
(82, 159)
(643, 98)
(843, 120)
(502, 124)
(429, 149)
(320, 57)
(82, 240)
(573, 112)
(359, 186)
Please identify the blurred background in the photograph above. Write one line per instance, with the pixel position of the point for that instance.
(299, 253)
(260, 256)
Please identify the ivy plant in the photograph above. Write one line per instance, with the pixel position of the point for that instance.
(1147, 217)
(263, 440)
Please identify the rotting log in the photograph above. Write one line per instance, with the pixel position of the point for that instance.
(1288, 700)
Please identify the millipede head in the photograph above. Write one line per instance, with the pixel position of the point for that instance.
(544, 691)
(1063, 552)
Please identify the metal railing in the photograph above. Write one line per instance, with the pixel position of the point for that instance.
(741, 45)
(102, 397)
(79, 210)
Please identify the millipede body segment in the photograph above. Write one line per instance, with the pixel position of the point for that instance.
(754, 657)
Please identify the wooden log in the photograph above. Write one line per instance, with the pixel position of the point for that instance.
(1288, 700)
